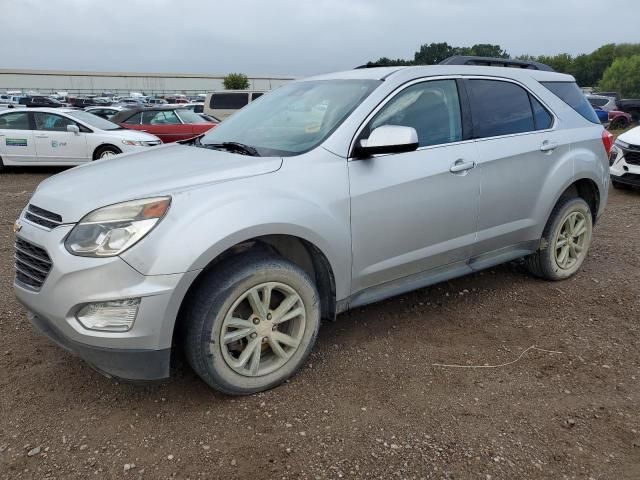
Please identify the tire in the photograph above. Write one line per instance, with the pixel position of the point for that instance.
(618, 124)
(105, 151)
(548, 261)
(220, 297)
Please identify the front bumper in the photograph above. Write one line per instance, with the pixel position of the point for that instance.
(143, 352)
(623, 170)
(128, 364)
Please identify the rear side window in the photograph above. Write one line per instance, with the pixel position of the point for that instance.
(541, 117)
(15, 121)
(571, 94)
(499, 108)
(598, 102)
(134, 119)
(228, 101)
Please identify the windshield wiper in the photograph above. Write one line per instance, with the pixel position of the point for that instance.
(235, 147)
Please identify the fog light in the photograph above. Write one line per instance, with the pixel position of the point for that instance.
(113, 316)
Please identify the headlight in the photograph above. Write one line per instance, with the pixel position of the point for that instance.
(109, 231)
(136, 143)
(622, 144)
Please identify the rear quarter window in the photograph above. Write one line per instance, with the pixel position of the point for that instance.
(570, 93)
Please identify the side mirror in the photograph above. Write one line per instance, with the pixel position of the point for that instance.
(388, 139)
(73, 129)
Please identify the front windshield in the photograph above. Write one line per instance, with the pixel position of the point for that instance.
(94, 120)
(188, 116)
(294, 118)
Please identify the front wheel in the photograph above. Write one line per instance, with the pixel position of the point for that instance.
(565, 241)
(105, 152)
(252, 323)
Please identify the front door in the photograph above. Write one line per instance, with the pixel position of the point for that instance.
(16, 138)
(54, 143)
(410, 212)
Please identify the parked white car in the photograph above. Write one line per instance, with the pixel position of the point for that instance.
(61, 136)
(625, 160)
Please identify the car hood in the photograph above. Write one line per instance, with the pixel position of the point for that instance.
(126, 134)
(157, 171)
(632, 136)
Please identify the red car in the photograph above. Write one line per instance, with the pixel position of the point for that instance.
(170, 124)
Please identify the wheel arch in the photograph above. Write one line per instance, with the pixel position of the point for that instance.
(586, 189)
(295, 249)
(102, 146)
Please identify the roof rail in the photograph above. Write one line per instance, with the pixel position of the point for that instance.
(495, 62)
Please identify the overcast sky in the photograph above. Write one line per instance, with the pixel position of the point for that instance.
(291, 37)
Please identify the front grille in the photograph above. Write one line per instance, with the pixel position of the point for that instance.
(32, 264)
(632, 157)
(43, 217)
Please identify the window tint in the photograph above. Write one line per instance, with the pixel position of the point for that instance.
(571, 94)
(542, 118)
(499, 108)
(598, 102)
(134, 119)
(161, 117)
(52, 122)
(228, 101)
(432, 108)
(15, 121)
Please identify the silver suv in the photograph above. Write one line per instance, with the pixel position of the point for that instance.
(324, 195)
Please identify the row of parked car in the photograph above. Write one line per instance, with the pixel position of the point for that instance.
(71, 136)
(614, 112)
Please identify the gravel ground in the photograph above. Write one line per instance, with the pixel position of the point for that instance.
(370, 403)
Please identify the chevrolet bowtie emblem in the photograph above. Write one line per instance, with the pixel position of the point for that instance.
(17, 226)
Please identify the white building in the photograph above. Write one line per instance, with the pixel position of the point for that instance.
(50, 81)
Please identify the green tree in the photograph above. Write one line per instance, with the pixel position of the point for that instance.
(235, 81)
(389, 62)
(623, 76)
(433, 53)
(487, 50)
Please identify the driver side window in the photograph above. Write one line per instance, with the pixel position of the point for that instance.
(432, 108)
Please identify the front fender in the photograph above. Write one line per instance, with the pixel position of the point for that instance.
(204, 223)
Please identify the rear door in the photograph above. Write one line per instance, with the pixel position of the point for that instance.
(54, 143)
(17, 143)
(517, 149)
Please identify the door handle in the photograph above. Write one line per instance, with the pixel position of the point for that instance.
(42, 136)
(548, 146)
(461, 166)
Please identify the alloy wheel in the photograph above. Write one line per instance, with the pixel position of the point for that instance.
(262, 329)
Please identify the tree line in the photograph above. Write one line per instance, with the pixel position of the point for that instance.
(612, 67)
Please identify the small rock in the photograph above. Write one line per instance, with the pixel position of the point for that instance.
(33, 451)
(233, 462)
(127, 467)
(84, 447)
(169, 457)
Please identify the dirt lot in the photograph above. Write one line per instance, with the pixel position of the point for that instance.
(370, 404)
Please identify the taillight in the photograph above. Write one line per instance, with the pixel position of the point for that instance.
(607, 141)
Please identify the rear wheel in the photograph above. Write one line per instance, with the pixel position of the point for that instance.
(251, 323)
(105, 152)
(618, 123)
(565, 241)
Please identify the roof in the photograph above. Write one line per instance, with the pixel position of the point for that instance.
(129, 112)
(382, 73)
